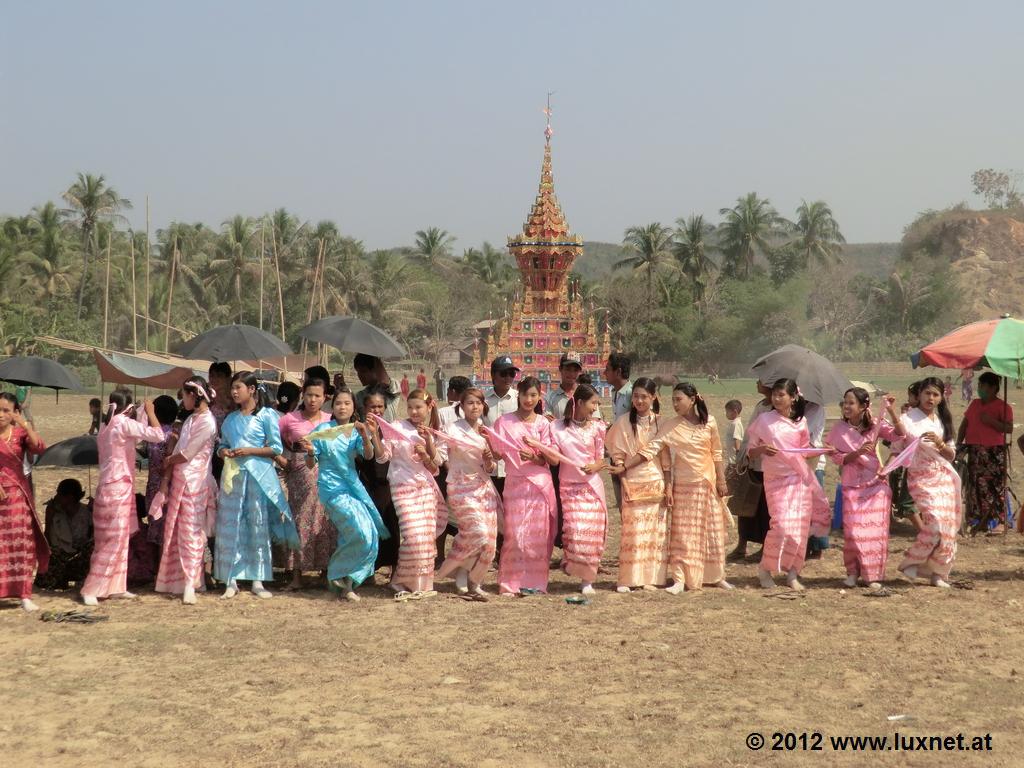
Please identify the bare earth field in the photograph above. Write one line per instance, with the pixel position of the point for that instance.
(641, 679)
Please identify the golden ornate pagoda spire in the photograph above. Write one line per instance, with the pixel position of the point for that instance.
(546, 249)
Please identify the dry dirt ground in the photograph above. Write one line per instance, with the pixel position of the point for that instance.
(641, 679)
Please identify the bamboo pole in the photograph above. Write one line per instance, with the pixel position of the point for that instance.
(135, 326)
(321, 348)
(148, 305)
(106, 297)
(170, 297)
(312, 292)
(263, 229)
(277, 269)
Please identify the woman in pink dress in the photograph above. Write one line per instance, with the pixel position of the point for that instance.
(796, 503)
(579, 437)
(867, 498)
(934, 486)
(316, 533)
(530, 511)
(472, 498)
(422, 514)
(191, 494)
(114, 518)
(23, 547)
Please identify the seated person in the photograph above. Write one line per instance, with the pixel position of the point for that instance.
(69, 534)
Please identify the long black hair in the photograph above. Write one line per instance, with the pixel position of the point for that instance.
(698, 402)
(248, 378)
(121, 399)
(943, 408)
(581, 394)
(864, 400)
(651, 387)
(524, 385)
(790, 388)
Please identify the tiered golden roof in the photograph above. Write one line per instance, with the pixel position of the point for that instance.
(545, 250)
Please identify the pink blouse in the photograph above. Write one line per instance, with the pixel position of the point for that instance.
(846, 440)
(405, 464)
(774, 429)
(116, 443)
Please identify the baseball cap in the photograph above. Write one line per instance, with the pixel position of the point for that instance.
(570, 358)
(503, 363)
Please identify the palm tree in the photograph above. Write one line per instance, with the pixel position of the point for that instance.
(819, 238)
(489, 264)
(903, 294)
(90, 201)
(753, 226)
(651, 246)
(433, 245)
(182, 255)
(233, 260)
(388, 296)
(50, 276)
(690, 247)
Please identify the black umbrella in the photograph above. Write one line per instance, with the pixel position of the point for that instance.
(31, 371)
(350, 334)
(235, 342)
(79, 451)
(819, 380)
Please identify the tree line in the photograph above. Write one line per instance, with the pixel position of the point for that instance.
(699, 292)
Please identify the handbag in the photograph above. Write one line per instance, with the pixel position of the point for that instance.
(642, 491)
(744, 490)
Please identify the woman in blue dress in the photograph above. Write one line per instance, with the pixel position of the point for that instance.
(334, 447)
(251, 507)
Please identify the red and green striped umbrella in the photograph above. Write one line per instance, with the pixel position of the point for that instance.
(995, 344)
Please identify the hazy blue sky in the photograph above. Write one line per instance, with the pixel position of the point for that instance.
(389, 117)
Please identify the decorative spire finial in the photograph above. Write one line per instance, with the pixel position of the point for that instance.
(548, 130)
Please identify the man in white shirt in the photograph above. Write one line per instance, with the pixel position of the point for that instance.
(504, 399)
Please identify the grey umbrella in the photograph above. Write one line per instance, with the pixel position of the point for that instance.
(79, 451)
(31, 371)
(235, 342)
(350, 334)
(819, 380)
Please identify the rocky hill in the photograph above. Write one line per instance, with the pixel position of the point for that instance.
(985, 250)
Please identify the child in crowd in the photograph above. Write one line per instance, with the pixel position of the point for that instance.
(95, 411)
(69, 534)
(733, 431)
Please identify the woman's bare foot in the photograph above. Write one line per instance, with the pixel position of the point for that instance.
(850, 581)
(793, 581)
(28, 605)
(938, 581)
(90, 600)
(677, 588)
(723, 584)
(765, 577)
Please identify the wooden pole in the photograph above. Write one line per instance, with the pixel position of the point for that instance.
(106, 298)
(148, 305)
(135, 327)
(277, 269)
(312, 293)
(263, 229)
(170, 297)
(321, 347)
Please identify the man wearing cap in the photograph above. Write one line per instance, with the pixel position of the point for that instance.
(569, 368)
(504, 399)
